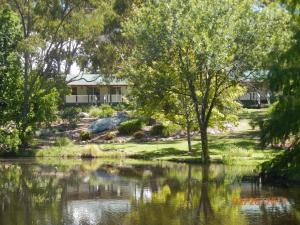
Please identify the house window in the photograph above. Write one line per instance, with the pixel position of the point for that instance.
(93, 91)
(74, 90)
(115, 90)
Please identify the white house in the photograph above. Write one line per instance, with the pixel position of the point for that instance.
(95, 89)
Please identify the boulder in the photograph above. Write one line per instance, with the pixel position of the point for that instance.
(83, 115)
(108, 123)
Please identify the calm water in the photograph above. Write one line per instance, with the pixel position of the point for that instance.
(120, 192)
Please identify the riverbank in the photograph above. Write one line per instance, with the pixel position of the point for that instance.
(223, 149)
(239, 146)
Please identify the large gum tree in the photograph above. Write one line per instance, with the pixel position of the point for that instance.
(210, 45)
(53, 33)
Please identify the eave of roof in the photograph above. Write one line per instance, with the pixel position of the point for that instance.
(93, 80)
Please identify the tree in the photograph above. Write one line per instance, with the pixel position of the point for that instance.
(52, 37)
(210, 45)
(10, 78)
(169, 101)
(283, 123)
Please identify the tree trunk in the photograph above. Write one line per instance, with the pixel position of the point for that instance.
(25, 104)
(204, 145)
(188, 199)
(188, 131)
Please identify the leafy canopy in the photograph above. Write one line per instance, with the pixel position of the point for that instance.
(208, 45)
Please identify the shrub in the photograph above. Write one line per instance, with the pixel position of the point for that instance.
(9, 140)
(285, 166)
(102, 111)
(139, 135)
(94, 111)
(120, 107)
(71, 115)
(85, 135)
(62, 141)
(107, 111)
(157, 130)
(109, 136)
(164, 130)
(130, 127)
(171, 130)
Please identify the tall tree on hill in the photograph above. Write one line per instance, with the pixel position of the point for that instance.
(211, 45)
(53, 33)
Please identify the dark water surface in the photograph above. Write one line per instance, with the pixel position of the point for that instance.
(147, 193)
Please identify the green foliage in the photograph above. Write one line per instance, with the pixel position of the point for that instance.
(109, 136)
(10, 80)
(130, 127)
(157, 130)
(101, 111)
(164, 130)
(107, 110)
(9, 140)
(227, 108)
(62, 141)
(120, 107)
(283, 121)
(233, 153)
(71, 115)
(85, 135)
(43, 105)
(139, 135)
(205, 47)
(283, 166)
(48, 38)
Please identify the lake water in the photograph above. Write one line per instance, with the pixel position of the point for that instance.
(115, 192)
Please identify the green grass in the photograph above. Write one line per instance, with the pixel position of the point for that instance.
(223, 148)
(238, 147)
(78, 151)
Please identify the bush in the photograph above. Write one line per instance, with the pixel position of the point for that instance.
(90, 151)
(85, 135)
(102, 111)
(171, 130)
(107, 111)
(284, 167)
(120, 107)
(71, 115)
(164, 130)
(139, 135)
(109, 136)
(9, 140)
(157, 130)
(130, 127)
(62, 141)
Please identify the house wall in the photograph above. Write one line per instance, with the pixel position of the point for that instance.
(104, 90)
(81, 90)
(104, 95)
(124, 90)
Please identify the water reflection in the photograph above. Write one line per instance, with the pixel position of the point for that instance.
(135, 193)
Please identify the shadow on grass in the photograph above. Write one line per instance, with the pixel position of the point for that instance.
(177, 141)
(244, 134)
(162, 152)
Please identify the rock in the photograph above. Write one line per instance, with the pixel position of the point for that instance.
(83, 115)
(108, 123)
(101, 125)
(170, 139)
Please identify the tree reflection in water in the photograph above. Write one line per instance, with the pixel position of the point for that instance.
(111, 193)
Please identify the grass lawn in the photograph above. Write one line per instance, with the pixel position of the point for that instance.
(240, 146)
